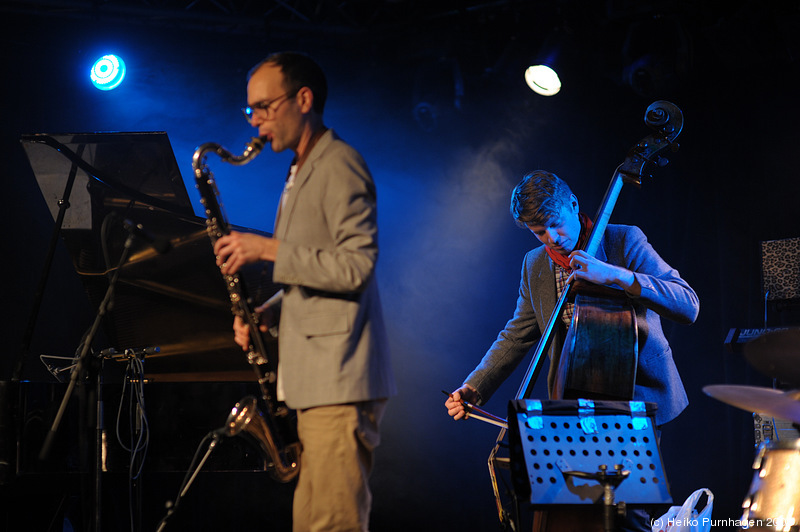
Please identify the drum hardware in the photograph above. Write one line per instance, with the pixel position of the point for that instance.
(767, 427)
(771, 503)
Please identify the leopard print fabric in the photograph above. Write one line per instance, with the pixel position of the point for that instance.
(780, 268)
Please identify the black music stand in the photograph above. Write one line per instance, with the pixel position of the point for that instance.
(581, 452)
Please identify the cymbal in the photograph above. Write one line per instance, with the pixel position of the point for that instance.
(776, 354)
(784, 405)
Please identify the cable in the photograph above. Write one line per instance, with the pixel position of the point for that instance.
(138, 426)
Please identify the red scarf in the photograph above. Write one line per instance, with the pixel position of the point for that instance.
(586, 229)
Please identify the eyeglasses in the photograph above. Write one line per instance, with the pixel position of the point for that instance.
(267, 106)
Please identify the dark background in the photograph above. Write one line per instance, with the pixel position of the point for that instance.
(450, 252)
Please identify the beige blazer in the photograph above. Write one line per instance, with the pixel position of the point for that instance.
(332, 340)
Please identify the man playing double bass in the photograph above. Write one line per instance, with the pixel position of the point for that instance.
(545, 205)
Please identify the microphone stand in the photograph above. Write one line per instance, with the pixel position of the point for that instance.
(241, 414)
(216, 436)
(84, 361)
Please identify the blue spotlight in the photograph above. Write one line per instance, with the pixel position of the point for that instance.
(108, 72)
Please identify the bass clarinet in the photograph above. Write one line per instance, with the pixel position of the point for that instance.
(275, 428)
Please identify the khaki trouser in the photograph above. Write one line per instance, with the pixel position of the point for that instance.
(332, 491)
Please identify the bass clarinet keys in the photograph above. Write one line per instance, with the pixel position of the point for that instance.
(275, 428)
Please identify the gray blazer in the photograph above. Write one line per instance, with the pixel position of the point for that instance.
(664, 293)
(332, 340)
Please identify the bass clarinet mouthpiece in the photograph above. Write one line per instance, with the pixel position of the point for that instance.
(258, 143)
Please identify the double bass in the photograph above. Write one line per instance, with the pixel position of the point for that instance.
(581, 372)
(600, 353)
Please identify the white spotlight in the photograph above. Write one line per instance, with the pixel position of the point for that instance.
(542, 80)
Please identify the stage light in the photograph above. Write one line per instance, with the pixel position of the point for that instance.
(438, 92)
(542, 80)
(544, 74)
(656, 56)
(108, 72)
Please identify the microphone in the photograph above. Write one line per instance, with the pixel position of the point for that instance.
(161, 245)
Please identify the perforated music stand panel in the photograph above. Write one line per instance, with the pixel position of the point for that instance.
(550, 438)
